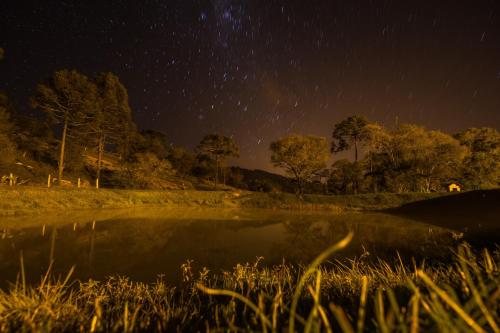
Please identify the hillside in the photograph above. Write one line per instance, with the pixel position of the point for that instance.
(265, 181)
(476, 213)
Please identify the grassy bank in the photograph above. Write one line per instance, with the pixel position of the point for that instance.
(333, 202)
(23, 200)
(357, 296)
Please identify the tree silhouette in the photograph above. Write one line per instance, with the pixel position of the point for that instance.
(349, 132)
(218, 148)
(300, 156)
(481, 168)
(7, 146)
(66, 98)
(111, 121)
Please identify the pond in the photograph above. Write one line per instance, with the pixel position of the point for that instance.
(143, 244)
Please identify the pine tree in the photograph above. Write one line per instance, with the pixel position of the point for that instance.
(111, 122)
(218, 148)
(68, 99)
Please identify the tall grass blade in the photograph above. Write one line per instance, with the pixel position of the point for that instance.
(341, 317)
(477, 297)
(415, 302)
(362, 305)
(396, 309)
(240, 297)
(68, 276)
(442, 294)
(380, 312)
(46, 276)
(310, 270)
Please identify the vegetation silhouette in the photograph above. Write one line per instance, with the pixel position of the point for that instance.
(86, 127)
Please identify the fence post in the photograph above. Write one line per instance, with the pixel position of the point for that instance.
(11, 179)
(48, 181)
(97, 183)
(78, 182)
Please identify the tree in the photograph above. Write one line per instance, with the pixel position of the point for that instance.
(346, 177)
(485, 139)
(155, 142)
(149, 171)
(34, 138)
(204, 167)
(440, 164)
(182, 161)
(412, 158)
(218, 148)
(378, 140)
(111, 122)
(300, 156)
(481, 168)
(349, 132)
(7, 147)
(66, 98)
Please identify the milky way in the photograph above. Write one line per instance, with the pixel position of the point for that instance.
(258, 70)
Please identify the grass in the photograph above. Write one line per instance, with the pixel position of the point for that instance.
(374, 201)
(23, 200)
(354, 296)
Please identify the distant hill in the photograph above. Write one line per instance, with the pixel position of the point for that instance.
(260, 180)
(264, 181)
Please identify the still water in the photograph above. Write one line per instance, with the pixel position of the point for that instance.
(143, 244)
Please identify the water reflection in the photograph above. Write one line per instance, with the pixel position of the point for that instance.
(143, 245)
(376, 236)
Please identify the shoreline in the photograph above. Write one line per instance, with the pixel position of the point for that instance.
(38, 200)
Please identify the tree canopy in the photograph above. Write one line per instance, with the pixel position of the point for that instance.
(154, 142)
(346, 177)
(111, 121)
(93, 115)
(350, 132)
(300, 156)
(481, 167)
(66, 98)
(7, 147)
(411, 158)
(218, 148)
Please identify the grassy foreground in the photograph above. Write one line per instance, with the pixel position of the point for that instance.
(356, 296)
(23, 200)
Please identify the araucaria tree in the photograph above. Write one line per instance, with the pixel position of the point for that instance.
(301, 156)
(218, 148)
(350, 132)
(111, 121)
(67, 98)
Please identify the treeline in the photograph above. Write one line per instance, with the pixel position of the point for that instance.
(84, 129)
(408, 158)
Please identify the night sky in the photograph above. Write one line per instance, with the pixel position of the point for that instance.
(261, 69)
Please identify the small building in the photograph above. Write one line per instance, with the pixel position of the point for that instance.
(454, 187)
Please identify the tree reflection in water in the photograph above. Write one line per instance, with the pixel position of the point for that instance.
(142, 247)
(372, 239)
